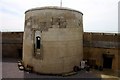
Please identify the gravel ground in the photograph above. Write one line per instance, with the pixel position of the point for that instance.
(10, 70)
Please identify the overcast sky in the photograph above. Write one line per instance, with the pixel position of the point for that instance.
(99, 15)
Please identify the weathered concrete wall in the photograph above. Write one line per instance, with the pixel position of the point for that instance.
(97, 44)
(90, 51)
(12, 44)
(96, 54)
(61, 32)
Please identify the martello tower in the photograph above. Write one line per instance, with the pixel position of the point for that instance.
(53, 39)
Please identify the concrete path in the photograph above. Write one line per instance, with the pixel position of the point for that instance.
(10, 70)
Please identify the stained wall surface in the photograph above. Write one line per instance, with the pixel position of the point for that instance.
(12, 44)
(94, 53)
(60, 31)
(98, 47)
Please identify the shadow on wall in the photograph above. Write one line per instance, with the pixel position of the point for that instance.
(11, 51)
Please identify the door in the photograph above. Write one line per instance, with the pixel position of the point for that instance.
(107, 62)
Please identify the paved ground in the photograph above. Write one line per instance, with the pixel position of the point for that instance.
(10, 70)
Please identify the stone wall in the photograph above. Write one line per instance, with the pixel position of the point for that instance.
(16, 38)
(12, 44)
(98, 44)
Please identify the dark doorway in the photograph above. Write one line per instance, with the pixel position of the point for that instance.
(107, 62)
(20, 53)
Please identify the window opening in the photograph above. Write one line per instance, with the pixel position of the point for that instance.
(38, 39)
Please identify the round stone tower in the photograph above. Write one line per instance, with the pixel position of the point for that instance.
(53, 39)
